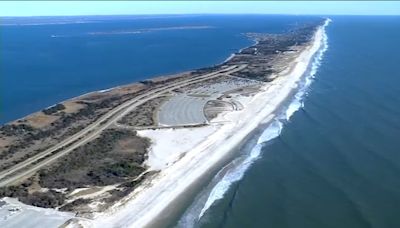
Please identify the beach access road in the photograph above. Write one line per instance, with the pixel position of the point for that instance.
(31, 165)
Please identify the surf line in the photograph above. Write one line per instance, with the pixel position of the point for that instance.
(272, 131)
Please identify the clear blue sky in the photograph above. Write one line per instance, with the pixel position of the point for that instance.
(49, 8)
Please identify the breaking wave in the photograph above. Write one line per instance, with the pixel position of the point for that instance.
(234, 171)
(230, 177)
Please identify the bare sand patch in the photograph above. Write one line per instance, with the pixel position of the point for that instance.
(41, 120)
(169, 145)
(72, 106)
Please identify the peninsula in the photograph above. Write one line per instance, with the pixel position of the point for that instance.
(122, 156)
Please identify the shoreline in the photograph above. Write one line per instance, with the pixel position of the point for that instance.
(231, 56)
(110, 89)
(146, 204)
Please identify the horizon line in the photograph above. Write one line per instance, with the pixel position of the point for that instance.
(199, 14)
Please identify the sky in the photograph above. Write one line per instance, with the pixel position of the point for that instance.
(62, 8)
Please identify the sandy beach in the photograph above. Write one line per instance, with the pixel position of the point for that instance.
(148, 201)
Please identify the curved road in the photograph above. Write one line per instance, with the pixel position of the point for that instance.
(36, 162)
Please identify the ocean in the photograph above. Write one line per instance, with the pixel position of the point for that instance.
(45, 60)
(330, 159)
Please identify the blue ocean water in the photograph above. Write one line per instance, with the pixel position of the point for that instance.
(46, 60)
(336, 161)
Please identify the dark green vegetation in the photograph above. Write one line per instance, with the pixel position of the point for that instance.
(263, 58)
(46, 199)
(28, 140)
(20, 140)
(115, 157)
(109, 159)
(143, 115)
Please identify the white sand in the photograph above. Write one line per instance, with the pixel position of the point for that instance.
(16, 214)
(168, 145)
(146, 203)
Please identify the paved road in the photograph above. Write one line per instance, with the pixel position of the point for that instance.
(27, 167)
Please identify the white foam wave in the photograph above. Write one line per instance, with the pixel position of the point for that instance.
(297, 102)
(230, 177)
(293, 107)
(235, 174)
(104, 90)
(272, 131)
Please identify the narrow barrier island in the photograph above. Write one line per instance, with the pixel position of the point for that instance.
(115, 156)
